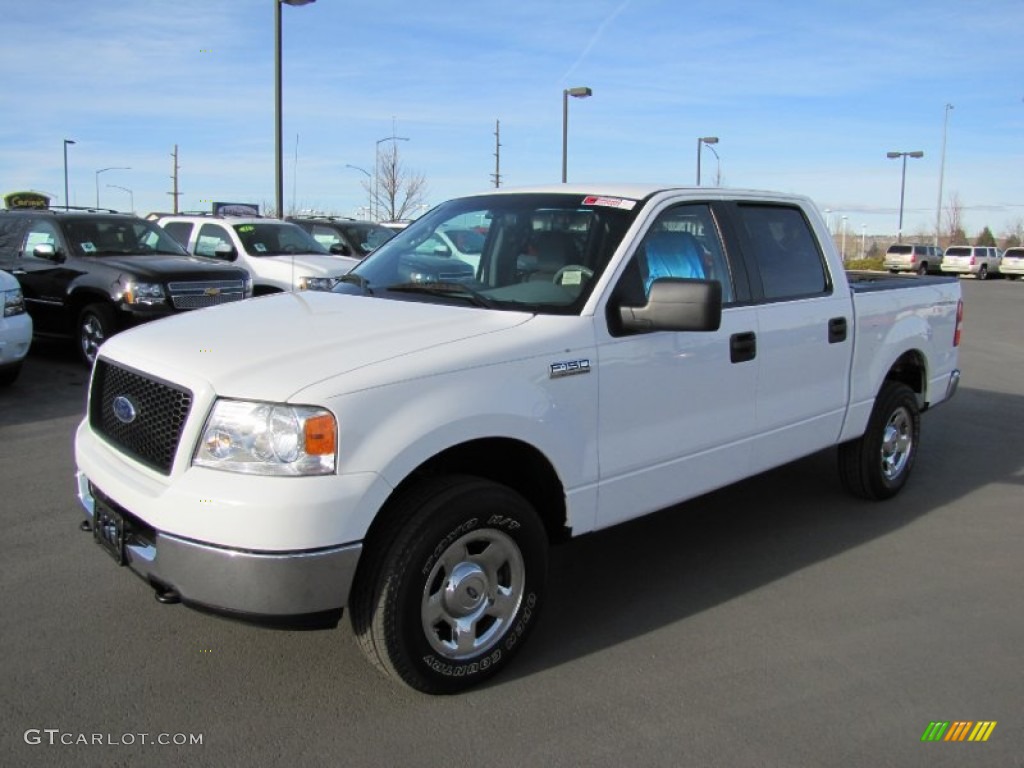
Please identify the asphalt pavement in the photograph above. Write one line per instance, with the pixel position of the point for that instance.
(774, 623)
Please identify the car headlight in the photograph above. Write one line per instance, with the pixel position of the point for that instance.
(268, 439)
(14, 303)
(144, 293)
(310, 283)
(247, 288)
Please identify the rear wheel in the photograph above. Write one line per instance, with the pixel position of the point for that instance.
(923, 268)
(95, 325)
(451, 587)
(983, 272)
(876, 465)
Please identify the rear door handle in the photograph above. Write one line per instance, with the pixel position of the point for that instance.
(836, 330)
(742, 347)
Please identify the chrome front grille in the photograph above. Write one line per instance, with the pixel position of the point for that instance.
(206, 293)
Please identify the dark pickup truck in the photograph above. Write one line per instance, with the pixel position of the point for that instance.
(87, 274)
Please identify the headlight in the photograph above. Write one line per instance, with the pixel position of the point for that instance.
(268, 439)
(14, 303)
(247, 288)
(144, 293)
(316, 283)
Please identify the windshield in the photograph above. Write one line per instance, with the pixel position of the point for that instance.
(116, 236)
(276, 238)
(529, 252)
(367, 237)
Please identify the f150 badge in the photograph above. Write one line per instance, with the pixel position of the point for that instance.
(569, 368)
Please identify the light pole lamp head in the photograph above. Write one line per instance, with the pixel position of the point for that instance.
(580, 92)
(893, 155)
(918, 153)
(709, 139)
(297, 2)
(69, 141)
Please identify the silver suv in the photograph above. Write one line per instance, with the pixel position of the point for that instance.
(912, 257)
(1012, 265)
(279, 255)
(978, 260)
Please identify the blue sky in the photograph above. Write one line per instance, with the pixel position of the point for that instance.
(805, 97)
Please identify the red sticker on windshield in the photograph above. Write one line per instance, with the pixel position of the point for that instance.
(610, 202)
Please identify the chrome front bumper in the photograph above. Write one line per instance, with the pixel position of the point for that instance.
(260, 585)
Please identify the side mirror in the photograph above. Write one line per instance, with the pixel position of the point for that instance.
(225, 251)
(340, 249)
(443, 251)
(676, 304)
(46, 251)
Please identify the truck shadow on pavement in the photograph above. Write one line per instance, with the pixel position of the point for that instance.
(52, 384)
(624, 582)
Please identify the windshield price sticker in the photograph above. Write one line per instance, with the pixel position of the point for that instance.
(610, 202)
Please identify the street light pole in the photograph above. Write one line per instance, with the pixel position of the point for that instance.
(579, 92)
(66, 142)
(843, 249)
(376, 168)
(863, 237)
(278, 163)
(903, 183)
(369, 208)
(131, 195)
(942, 171)
(709, 140)
(104, 170)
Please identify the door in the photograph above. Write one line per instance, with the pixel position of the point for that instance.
(805, 334)
(676, 410)
(45, 274)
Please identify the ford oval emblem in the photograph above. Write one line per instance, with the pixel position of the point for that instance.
(124, 410)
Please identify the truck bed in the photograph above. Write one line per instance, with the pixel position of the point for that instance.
(863, 281)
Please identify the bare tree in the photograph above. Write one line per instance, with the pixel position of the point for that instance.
(396, 191)
(955, 221)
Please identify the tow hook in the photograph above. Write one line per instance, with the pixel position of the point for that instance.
(167, 595)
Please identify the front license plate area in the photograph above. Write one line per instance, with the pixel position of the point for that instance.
(108, 529)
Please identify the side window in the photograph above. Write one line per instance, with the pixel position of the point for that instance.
(682, 242)
(180, 231)
(786, 251)
(40, 232)
(210, 236)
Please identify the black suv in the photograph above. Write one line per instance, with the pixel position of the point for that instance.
(350, 237)
(87, 274)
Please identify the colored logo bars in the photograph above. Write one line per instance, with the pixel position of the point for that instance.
(958, 730)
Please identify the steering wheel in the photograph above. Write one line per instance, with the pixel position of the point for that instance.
(585, 272)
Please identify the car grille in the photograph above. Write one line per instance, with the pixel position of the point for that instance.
(157, 413)
(205, 294)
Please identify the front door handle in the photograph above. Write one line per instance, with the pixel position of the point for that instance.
(742, 347)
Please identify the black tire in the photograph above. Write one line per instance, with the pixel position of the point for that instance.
(923, 268)
(95, 325)
(456, 549)
(983, 272)
(876, 465)
(9, 374)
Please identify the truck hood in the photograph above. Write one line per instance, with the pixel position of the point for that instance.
(307, 265)
(158, 268)
(269, 348)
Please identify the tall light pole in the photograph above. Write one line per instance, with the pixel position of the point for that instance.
(278, 163)
(942, 171)
(863, 237)
(903, 183)
(369, 209)
(376, 167)
(579, 92)
(66, 142)
(104, 170)
(131, 195)
(709, 140)
(843, 249)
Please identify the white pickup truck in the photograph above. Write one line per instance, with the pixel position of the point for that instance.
(409, 445)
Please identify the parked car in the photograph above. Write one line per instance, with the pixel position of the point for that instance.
(348, 237)
(978, 260)
(15, 329)
(410, 449)
(913, 257)
(279, 255)
(87, 274)
(1012, 265)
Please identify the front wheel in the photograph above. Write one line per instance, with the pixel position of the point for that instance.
(876, 465)
(452, 585)
(95, 325)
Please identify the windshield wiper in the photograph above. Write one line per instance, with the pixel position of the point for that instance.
(459, 290)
